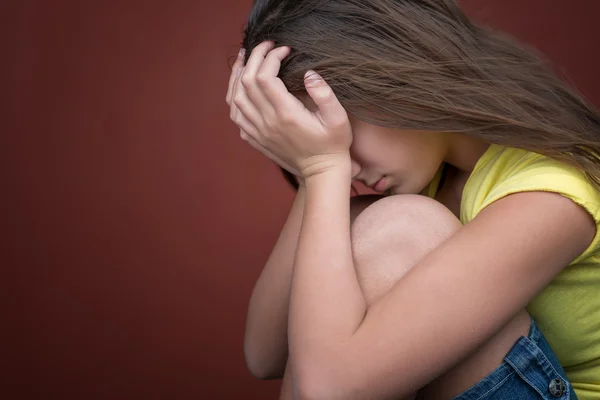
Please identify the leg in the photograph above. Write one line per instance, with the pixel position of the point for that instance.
(388, 238)
(357, 205)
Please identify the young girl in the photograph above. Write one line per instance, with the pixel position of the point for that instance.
(489, 168)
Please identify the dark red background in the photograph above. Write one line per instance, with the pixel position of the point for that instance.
(134, 219)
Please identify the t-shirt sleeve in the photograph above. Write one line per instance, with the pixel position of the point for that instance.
(549, 175)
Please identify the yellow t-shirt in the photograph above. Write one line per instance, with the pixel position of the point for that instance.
(568, 310)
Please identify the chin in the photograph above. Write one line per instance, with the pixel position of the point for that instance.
(395, 191)
(398, 190)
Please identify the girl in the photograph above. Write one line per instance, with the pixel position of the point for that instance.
(490, 169)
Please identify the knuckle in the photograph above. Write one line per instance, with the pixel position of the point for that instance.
(325, 95)
(338, 126)
(263, 80)
(266, 136)
(338, 122)
(271, 123)
(238, 99)
(236, 116)
(246, 81)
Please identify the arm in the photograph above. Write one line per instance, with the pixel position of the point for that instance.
(479, 279)
(286, 391)
(446, 306)
(265, 342)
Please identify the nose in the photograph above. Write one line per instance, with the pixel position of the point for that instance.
(355, 169)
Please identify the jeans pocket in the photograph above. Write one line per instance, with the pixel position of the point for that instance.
(530, 370)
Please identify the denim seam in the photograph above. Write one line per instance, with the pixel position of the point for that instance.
(556, 374)
(535, 332)
(496, 386)
(533, 386)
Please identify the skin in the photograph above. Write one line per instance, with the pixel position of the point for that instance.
(536, 235)
(389, 236)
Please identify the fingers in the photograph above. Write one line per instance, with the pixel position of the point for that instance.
(248, 138)
(235, 72)
(257, 146)
(273, 87)
(257, 92)
(233, 110)
(260, 148)
(331, 111)
(272, 63)
(249, 77)
(241, 104)
(257, 57)
(242, 110)
(246, 127)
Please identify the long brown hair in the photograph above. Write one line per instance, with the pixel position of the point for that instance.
(423, 65)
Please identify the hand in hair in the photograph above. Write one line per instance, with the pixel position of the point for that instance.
(279, 125)
(235, 115)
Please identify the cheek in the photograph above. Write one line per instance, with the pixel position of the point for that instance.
(402, 153)
(416, 160)
(366, 152)
(384, 153)
(427, 159)
(410, 155)
(372, 146)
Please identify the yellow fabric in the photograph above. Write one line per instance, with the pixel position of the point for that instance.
(568, 310)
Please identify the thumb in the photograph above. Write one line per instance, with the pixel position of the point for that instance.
(332, 112)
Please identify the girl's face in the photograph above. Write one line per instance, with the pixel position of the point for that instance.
(396, 161)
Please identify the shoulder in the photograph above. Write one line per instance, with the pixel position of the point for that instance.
(504, 172)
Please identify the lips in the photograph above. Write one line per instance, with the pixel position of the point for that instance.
(380, 185)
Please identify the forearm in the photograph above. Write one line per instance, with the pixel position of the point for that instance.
(286, 391)
(327, 305)
(265, 343)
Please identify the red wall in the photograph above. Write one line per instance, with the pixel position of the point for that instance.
(135, 220)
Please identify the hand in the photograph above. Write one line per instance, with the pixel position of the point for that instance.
(276, 121)
(244, 125)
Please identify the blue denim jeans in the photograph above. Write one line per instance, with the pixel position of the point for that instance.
(530, 370)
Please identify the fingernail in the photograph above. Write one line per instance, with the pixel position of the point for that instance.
(241, 53)
(312, 78)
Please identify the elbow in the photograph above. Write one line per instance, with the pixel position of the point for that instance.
(311, 391)
(262, 371)
(262, 365)
(317, 391)
(317, 384)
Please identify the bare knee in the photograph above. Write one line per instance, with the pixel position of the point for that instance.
(389, 237)
(392, 234)
(359, 203)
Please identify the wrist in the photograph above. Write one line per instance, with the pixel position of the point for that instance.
(340, 175)
(326, 165)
